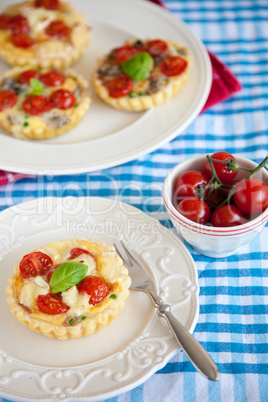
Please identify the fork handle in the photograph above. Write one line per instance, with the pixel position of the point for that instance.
(193, 350)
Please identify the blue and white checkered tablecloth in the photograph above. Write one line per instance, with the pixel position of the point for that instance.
(232, 324)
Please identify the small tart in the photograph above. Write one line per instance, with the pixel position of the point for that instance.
(51, 46)
(82, 318)
(155, 90)
(52, 122)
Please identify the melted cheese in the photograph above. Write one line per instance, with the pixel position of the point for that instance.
(32, 289)
(77, 302)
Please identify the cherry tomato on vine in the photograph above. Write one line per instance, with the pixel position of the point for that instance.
(48, 4)
(187, 183)
(62, 99)
(49, 304)
(96, 287)
(227, 215)
(36, 104)
(225, 174)
(26, 76)
(52, 78)
(58, 29)
(194, 209)
(173, 65)
(34, 264)
(124, 53)
(7, 99)
(119, 86)
(251, 196)
(76, 252)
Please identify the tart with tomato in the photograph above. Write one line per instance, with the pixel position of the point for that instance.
(43, 33)
(68, 289)
(42, 103)
(141, 74)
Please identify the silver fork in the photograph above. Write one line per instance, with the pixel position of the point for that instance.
(193, 350)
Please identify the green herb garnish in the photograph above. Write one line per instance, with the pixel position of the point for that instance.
(138, 67)
(113, 296)
(141, 93)
(67, 275)
(71, 321)
(132, 94)
(83, 317)
(26, 116)
(25, 124)
(36, 86)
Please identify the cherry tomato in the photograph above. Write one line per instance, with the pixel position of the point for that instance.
(20, 39)
(62, 99)
(34, 264)
(96, 287)
(49, 304)
(251, 196)
(76, 252)
(119, 86)
(187, 183)
(48, 4)
(194, 209)
(57, 29)
(36, 104)
(124, 53)
(227, 215)
(4, 21)
(7, 99)
(225, 173)
(156, 47)
(173, 65)
(27, 75)
(52, 78)
(19, 24)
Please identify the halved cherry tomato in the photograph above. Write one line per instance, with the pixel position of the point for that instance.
(96, 287)
(227, 215)
(124, 53)
(225, 173)
(76, 252)
(19, 24)
(187, 183)
(34, 264)
(251, 196)
(26, 76)
(36, 104)
(4, 21)
(57, 29)
(173, 65)
(7, 99)
(22, 40)
(62, 99)
(48, 4)
(52, 78)
(194, 209)
(49, 304)
(119, 86)
(156, 47)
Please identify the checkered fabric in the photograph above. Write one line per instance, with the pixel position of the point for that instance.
(232, 325)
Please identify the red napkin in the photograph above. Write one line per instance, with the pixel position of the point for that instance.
(224, 84)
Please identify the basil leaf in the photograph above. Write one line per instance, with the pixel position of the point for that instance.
(139, 66)
(67, 275)
(37, 87)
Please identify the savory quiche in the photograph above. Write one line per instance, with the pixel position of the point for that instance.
(68, 289)
(142, 74)
(43, 33)
(42, 103)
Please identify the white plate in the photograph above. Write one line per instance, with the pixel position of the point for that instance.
(107, 137)
(129, 350)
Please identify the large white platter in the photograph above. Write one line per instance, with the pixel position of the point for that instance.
(108, 137)
(129, 350)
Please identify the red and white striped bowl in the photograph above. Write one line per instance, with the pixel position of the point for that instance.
(216, 242)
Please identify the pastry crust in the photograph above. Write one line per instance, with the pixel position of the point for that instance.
(166, 91)
(50, 124)
(47, 52)
(68, 325)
